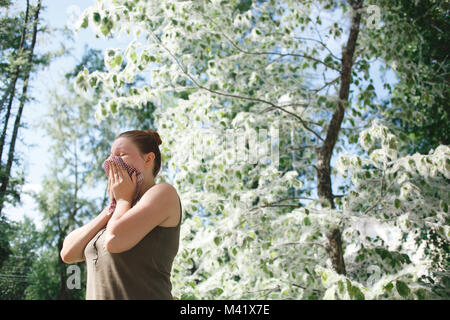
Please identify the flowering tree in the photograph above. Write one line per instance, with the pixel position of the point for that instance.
(224, 75)
(405, 199)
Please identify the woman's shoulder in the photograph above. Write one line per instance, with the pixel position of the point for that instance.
(169, 192)
(164, 188)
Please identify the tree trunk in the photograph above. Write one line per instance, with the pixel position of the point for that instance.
(5, 96)
(64, 291)
(7, 171)
(324, 153)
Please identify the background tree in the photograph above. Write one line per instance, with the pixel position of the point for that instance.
(18, 34)
(25, 56)
(17, 270)
(418, 102)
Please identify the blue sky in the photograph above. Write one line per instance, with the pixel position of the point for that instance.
(57, 14)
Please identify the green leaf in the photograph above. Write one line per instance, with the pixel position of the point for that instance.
(117, 61)
(80, 79)
(421, 294)
(354, 292)
(133, 56)
(397, 203)
(113, 107)
(307, 221)
(358, 294)
(96, 17)
(392, 144)
(444, 206)
(341, 286)
(105, 29)
(216, 240)
(85, 23)
(389, 287)
(145, 58)
(402, 289)
(324, 278)
(93, 81)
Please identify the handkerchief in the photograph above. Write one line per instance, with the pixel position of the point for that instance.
(139, 178)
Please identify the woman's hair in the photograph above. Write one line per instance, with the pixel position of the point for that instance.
(146, 141)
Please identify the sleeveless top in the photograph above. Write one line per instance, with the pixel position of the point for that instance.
(143, 272)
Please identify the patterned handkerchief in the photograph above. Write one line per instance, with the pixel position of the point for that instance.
(139, 176)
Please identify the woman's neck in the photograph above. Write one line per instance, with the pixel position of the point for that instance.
(146, 184)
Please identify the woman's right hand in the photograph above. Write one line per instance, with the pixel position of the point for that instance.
(110, 193)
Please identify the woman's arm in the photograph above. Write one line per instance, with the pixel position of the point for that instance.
(128, 225)
(76, 241)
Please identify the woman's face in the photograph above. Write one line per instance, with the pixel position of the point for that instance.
(129, 153)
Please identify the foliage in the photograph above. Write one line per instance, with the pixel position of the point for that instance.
(16, 271)
(404, 199)
(19, 61)
(413, 42)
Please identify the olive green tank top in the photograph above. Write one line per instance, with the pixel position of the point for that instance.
(143, 272)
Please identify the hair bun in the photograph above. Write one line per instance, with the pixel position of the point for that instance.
(155, 135)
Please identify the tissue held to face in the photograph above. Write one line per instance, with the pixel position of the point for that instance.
(122, 155)
(129, 153)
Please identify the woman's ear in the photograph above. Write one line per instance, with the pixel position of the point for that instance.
(148, 158)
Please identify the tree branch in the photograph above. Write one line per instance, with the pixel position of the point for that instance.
(321, 43)
(184, 70)
(329, 83)
(302, 243)
(299, 148)
(272, 52)
(273, 204)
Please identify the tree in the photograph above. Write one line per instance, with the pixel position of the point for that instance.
(9, 90)
(405, 196)
(422, 66)
(17, 270)
(254, 66)
(21, 62)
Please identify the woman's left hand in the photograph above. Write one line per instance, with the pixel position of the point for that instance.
(122, 186)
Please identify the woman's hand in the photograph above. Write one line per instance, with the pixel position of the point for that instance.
(110, 193)
(122, 186)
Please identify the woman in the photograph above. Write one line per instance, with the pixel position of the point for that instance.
(129, 253)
